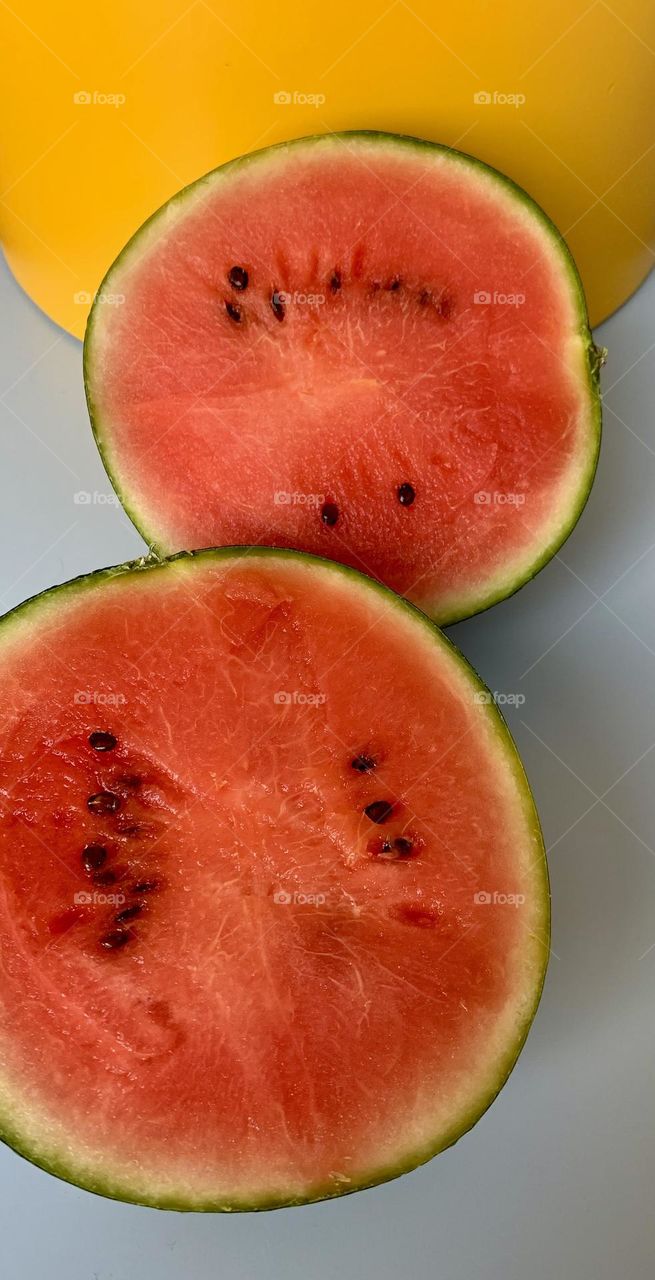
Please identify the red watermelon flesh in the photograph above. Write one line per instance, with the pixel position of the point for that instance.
(362, 346)
(274, 909)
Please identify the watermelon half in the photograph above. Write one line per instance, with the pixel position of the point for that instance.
(364, 346)
(274, 908)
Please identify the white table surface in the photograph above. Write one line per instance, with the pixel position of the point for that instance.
(556, 1181)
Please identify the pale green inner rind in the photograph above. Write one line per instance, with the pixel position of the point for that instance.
(515, 575)
(15, 628)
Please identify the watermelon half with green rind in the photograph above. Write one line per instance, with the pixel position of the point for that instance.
(274, 909)
(364, 346)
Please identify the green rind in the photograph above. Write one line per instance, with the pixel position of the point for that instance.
(467, 607)
(113, 1189)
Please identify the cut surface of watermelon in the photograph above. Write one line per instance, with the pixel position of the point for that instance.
(363, 346)
(274, 909)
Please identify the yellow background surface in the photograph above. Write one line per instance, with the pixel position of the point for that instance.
(110, 108)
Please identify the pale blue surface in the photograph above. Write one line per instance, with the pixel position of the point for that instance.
(556, 1182)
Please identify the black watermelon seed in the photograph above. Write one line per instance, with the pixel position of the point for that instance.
(335, 281)
(94, 857)
(405, 494)
(238, 278)
(329, 513)
(102, 741)
(234, 312)
(146, 886)
(105, 877)
(104, 802)
(128, 913)
(363, 763)
(379, 811)
(277, 306)
(392, 851)
(394, 284)
(116, 939)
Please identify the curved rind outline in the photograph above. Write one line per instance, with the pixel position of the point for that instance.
(112, 1189)
(594, 357)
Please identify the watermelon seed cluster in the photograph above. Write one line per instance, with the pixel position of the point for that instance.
(379, 812)
(405, 493)
(238, 279)
(94, 856)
